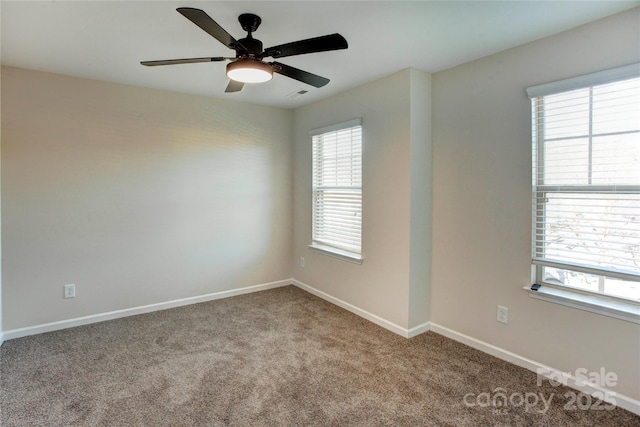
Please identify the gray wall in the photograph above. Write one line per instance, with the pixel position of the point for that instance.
(1, 327)
(482, 204)
(137, 196)
(383, 283)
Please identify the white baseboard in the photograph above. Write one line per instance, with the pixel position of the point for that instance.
(621, 400)
(79, 321)
(407, 333)
(420, 329)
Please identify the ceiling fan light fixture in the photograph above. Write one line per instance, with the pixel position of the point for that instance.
(247, 70)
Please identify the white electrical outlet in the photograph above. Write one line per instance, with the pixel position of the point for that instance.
(503, 314)
(302, 261)
(70, 291)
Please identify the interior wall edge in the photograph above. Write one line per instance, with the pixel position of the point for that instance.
(380, 321)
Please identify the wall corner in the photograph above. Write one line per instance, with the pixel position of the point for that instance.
(421, 196)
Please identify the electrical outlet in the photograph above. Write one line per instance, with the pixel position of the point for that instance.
(70, 291)
(503, 315)
(302, 261)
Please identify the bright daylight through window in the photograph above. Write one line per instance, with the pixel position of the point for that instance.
(586, 183)
(337, 189)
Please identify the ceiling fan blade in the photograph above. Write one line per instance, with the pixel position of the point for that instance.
(204, 21)
(183, 61)
(316, 44)
(300, 75)
(234, 86)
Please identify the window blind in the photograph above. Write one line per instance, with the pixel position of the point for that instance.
(337, 186)
(586, 184)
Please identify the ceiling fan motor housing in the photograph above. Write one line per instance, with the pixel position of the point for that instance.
(253, 47)
(250, 23)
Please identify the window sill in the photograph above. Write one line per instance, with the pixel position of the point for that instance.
(622, 310)
(337, 253)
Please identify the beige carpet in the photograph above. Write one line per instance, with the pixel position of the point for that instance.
(276, 358)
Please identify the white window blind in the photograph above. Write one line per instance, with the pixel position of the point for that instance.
(586, 183)
(337, 187)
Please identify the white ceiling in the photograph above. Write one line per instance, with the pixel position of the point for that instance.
(106, 40)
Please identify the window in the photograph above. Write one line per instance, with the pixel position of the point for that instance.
(337, 190)
(586, 184)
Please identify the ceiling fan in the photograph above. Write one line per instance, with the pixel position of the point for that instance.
(248, 65)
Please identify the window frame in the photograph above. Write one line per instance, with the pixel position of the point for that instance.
(605, 304)
(318, 244)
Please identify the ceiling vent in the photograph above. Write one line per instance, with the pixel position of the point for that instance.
(297, 93)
